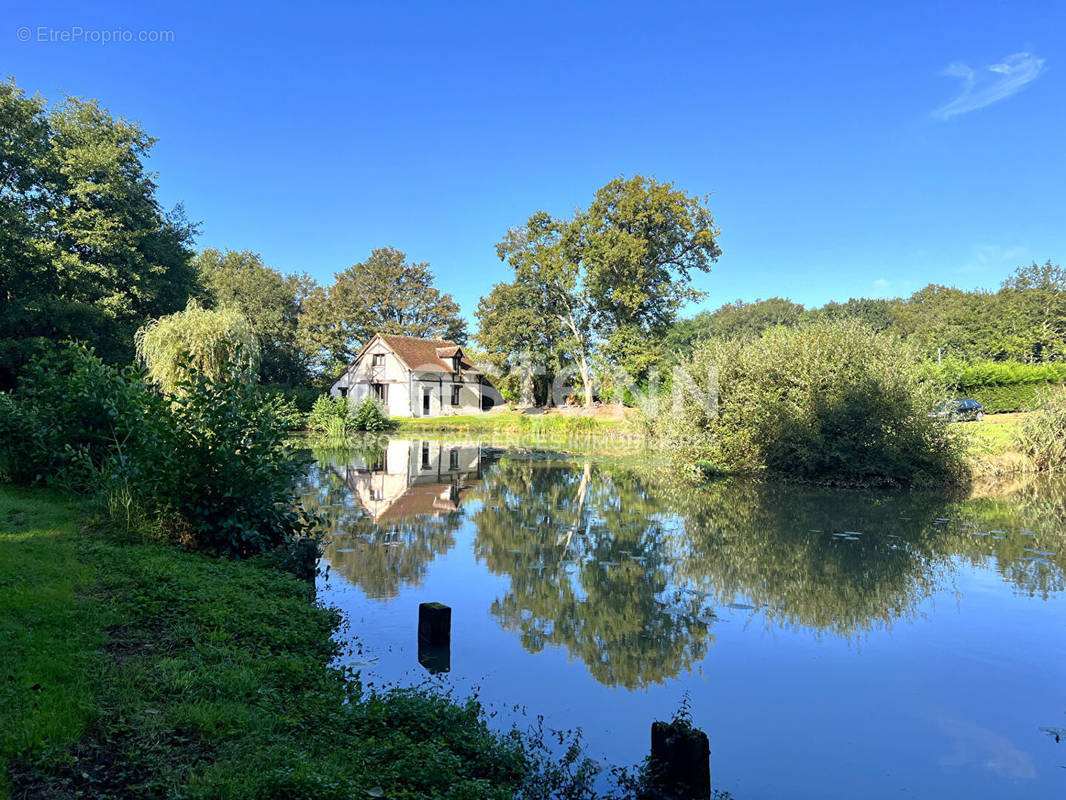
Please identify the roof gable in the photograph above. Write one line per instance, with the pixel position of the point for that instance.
(435, 355)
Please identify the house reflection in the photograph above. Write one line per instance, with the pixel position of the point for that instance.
(390, 512)
(411, 478)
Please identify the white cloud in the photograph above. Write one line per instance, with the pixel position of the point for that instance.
(881, 283)
(1007, 78)
(987, 258)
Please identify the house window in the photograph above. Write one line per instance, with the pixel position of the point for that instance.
(379, 391)
(377, 495)
(379, 360)
(455, 395)
(425, 455)
(457, 362)
(453, 460)
(344, 391)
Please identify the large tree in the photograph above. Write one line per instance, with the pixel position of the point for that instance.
(520, 337)
(616, 273)
(1034, 306)
(385, 294)
(86, 251)
(198, 341)
(269, 301)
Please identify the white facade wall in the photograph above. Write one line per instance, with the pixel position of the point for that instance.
(440, 395)
(404, 389)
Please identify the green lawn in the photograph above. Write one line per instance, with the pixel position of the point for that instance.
(508, 421)
(136, 670)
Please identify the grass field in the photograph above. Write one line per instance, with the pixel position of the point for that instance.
(135, 670)
(512, 421)
(993, 443)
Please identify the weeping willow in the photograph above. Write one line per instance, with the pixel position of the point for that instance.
(197, 341)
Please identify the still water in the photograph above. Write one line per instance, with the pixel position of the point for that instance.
(830, 643)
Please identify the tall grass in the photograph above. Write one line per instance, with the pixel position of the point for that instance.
(1043, 435)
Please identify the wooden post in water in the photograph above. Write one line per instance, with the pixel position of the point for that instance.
(435, 637)
(680, 761)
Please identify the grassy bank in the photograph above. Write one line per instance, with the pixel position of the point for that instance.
(993, 444)
(136, 670)
(512, 422)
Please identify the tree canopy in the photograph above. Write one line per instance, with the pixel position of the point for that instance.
(270, 302)
(386, 294)
(86, 251)
(615, 274)
(195, 341)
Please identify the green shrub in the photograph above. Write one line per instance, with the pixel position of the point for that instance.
(831, 402)
(1004, 399)
(1002, 386)
(285, 410)
(302, 396)
(324, 410)
(1043, 435)
(221, 467)
(70, 414)
(209, 465)
(369, 417)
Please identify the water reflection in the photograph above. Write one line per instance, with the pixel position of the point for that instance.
(630, 572)
(390, 512)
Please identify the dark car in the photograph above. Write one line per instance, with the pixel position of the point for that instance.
(960, 410)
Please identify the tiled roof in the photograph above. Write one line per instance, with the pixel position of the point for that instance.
(426, 354)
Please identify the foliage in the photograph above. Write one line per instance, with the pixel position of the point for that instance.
(1043, 435)
(210, 464)
(284, 409)
(86, 252)
(1004, 399)
(369, 417)
(1024, 321)
(197, 341)
(830, 402)
(1004, 373)
(69, 417)
(521, 337)
(384, 294)
(269, 301)
(737, 320)
(615, 274)
(327, 409)
(1003, 386)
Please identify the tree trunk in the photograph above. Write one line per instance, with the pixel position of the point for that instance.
(527, 386)
(586, 379)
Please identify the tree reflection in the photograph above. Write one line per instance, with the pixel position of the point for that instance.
(583, 552)
(625, 568)
(629, 570)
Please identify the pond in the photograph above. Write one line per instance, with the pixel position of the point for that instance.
(830, 643)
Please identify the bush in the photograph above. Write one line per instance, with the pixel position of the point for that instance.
(69, 416)
(1003, 386)
(1043, 436)
(325, 410)
(285, 410)
(1006, 398)
(222, 471)
(833, 402)
(209, 465)
(369, 417)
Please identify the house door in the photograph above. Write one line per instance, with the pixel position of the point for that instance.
(425, 402)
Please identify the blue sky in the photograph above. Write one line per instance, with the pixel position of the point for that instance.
(850, 150)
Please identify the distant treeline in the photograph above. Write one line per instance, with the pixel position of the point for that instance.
(1024, 321)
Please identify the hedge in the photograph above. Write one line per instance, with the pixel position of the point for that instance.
(1002, 386)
